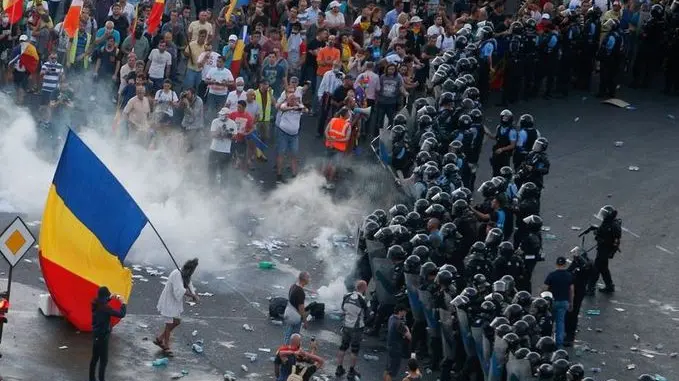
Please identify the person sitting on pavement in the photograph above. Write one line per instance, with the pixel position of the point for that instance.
(291, 357)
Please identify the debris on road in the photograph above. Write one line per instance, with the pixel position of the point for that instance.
(620, 309)
(229, 376)
(219, 278)
(277, 322)
(593, 312)
(265, 350)
(633, 168)
(650, 356)
(577, 118)
(636, 337)
(595, 370)
(250, 356)
(576, 228)
(244, 368)
(545, 228)
(631, 366)
(550, 236)
(674, 355)
(619, 143)
(63, 347)
(197, 348)
(370, 357)
(142, 325)
(160, 362)
(194, 333)
(205, 294)
(671, 116)
(247, 327)
(28, 260)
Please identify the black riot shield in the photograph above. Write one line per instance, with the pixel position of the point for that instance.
(383, 270)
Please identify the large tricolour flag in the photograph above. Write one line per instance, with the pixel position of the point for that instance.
(155, 17)
(72, 19)
(14, 9)
(89, 225)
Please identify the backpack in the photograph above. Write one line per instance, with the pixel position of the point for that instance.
(277, 307)
(317, 310)
(297, 373)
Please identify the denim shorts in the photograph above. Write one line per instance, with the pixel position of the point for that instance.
(286, 143)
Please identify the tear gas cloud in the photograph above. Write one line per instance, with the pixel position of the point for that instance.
(193, 220)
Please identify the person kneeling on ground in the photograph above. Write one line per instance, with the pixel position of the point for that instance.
(290, 358)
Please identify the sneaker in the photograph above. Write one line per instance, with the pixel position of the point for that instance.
(607, 289)
(339, 372)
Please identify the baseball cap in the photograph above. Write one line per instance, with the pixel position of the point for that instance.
(560, 261)
(23, 38)
(415, 19)
(224, 111)
(233, 37)
(546, 16)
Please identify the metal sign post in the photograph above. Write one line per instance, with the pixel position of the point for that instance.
(15, 241)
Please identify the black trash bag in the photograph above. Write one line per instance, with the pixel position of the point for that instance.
(277, 307)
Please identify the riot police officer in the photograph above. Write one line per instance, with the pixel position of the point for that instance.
(528, 204)
(531, 59)
(610, 54)
(428, 288)
(549, 49)
(580, 268)
(448, 321)
(466, 227)
(478, 130)
(411, 269)
(589, 45)
(505, 140)
(536, 165)
(569, 50)
(649, 48)
(487, 49)
(508, 263)
(607, 237)
(514, 69)
(525, 138)
(476, 262)
(531, 247)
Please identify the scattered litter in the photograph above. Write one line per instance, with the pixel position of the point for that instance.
(660, 378)
(219, 278)
(197, 348)
(633, 168)
(160, 362)
(247, 327)
(227, 344)
(636, 337)
(191, 303)
(577, 118)
(176, 376)
(670, 116)
(278, 287)
(620, 309)
(205, 294)
(142, 325)
(41, 279)
(266, 265)
(631, 366)
(250, 356)
(594, 313)
(143, 280)
(633, 349)
(28, 260)
(194, 333)
(560, 216)
(674, 355)
(370, 357)
(546, 228)
(255, 304)
(244, 368)
(265, 350)
(576, 228)
(229, 376)
(631, 108)
(315, 245)
(550, 236)
(599, 330)
(595, 370)
(584, 99)
(63, 347)
(163, 277)
(650, 356)
(619, 143)
(277, 322)
(659, 347)
(136, 276)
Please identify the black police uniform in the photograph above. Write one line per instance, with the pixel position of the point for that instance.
(539, 163)
(498, 161)
(608, 233)
(484, 70)
(589, 45)
(610, 57)
(530, 63)
(531, 246)
(649, 50)
(549, 61)
(521, 151)
(514, 69)
(569, 55)
(581, 268)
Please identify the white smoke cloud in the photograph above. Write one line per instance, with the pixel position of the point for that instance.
(193, 220)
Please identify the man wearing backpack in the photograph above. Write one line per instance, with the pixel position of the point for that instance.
(607, 237)
(355, 310)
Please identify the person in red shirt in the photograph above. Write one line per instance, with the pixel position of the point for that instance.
(242, 146)
(288, 357)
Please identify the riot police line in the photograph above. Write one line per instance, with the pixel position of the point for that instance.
(465, 268)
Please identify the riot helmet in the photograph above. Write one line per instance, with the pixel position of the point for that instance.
(451, 269)
(424, 122)
(431, 173)
(476, 115)
(517, 28)
(455, 147)
(528, 190)
(444, 278)
(414, 221)
(507, 173)
(472, 93)
(398, 210)
(446, 98)
(524, 299)
(576, 372)
(448, 230)
(540, 145)
(526, 121)
(545, 372)
(449, 158)
(459, 207)
(412, 264)
(385, 235)
(464, 121)
(494, 237)
(444, 199)
(513, 312)
(369, 229)
(521, 353)
(499, 286)
(398, 220)
(506, 117)
(421, 206)
(560, 367)
(400, 119)
(607, 213)
(657, 12)
(381, 216)
(520, 327)
(396, 253)
(559, 354)
(533, 222)
(422, 252)
(502, 330)
(498, 321)
(468, 104)
(431, 192)
(398, 132)
(539, 306)
(478, 248)
(436, 211)
(461, 42)
(506, 249)
(487, 189)
(428, 269)
(545, 345)
(419, 240)
(509, 281)
(422, 157)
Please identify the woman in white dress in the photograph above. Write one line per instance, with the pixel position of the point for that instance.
(171, 301)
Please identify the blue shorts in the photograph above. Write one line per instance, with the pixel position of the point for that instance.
(286, 143)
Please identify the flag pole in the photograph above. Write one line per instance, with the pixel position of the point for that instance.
(164, 245)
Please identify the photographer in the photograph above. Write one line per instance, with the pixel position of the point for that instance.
(222, 131)
(192, 123)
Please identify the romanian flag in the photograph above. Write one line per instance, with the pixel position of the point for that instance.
(27, 56)
(72, 19)
(88, 226)
(14, 9)
(260, 146)
(155, 17)
(238, 53)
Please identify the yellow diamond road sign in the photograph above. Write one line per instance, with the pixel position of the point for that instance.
(15, 241)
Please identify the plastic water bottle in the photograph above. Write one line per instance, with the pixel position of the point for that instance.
(266, 265)
(161, 362)
(370, 357)
(197, 348)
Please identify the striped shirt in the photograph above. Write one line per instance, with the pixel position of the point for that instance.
(51, 74)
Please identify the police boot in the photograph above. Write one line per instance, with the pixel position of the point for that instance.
(607, 289)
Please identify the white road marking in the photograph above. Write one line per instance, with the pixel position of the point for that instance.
(663, 249)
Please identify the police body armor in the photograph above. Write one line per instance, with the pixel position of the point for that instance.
(502, 138)
(477, 143)
(516, 49)
(606, 234)
(533, 159)
(477, 264)
(615, 53)
(466, 226)
(412, 287)
(449, 327)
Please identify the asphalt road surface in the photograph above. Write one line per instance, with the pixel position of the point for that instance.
(588, 171)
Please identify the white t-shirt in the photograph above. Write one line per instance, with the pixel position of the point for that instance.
(222, 145)
(393, 58)
(210, 62)
(124, 71)
(334, 20)
(435, 30)
(445, 43)
(289, 121)
(158, 62)
(233, 98)
(164, 101)
(222, 76)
